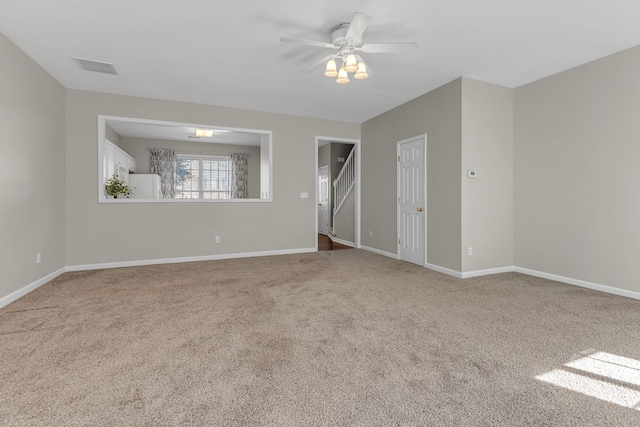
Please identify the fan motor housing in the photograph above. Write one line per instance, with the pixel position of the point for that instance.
(338, 36)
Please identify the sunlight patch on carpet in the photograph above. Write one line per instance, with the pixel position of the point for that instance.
(610, 369)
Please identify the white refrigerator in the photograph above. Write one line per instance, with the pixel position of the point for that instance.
(145, 186)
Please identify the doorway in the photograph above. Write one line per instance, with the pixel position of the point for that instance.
(412, 200)
(340, 154)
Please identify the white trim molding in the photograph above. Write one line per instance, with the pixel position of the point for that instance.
(581, 283)
(444, 270)
(8, 299)
(469, 274)
(342, 242)
(13, 296)
(100, 266)
(488, 271)
(379, 252)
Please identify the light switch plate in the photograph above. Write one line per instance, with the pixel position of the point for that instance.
(304, 195)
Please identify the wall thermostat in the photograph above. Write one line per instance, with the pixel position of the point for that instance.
(471, 173)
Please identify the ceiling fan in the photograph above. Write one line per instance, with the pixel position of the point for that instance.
(346, 41)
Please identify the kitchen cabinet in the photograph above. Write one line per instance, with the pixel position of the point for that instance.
(117, 161)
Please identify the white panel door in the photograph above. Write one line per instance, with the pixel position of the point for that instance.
(412, 200)
(323, 200)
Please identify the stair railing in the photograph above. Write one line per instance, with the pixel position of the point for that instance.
(344, 183)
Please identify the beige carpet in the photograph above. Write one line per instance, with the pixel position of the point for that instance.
(331, 338)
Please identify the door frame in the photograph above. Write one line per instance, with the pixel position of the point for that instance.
(357, 187)
(423, 138)
(329, 185)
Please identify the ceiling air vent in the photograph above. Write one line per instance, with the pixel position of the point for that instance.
(93, 65)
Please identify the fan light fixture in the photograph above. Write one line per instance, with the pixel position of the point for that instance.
(331, 70)
(361, 74)
(204, 133)
(343, 77)
(346, 41)
(350, 64)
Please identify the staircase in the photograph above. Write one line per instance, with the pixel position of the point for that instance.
(343, 184)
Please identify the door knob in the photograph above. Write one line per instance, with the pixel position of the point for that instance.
(419, 209)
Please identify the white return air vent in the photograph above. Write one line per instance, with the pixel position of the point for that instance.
(93, 65)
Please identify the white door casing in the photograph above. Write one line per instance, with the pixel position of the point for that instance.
(412, 196)
(323, 200)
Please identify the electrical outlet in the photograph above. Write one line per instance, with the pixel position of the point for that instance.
(38, 258)
(370, 233)
(217, 239)
(470, 251)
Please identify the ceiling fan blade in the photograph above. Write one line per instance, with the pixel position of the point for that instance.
(388, 48)
(315, 64)
(307, 42)
(357, 26)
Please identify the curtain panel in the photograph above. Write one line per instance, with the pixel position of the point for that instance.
(163, 163)
(239, 175)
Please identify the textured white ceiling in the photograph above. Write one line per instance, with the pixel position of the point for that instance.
(229, 53)
(180, 132)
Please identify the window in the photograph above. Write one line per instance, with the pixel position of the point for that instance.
(203, 177)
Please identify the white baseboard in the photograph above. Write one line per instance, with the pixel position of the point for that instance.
(342, 242)
(555, 277)
(469, 274)
(379, 252)
(8, 299)
(186, 259)
(488, 271)
(444, 270)
(581, 283)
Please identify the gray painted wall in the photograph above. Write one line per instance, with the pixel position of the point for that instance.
(113, 232)
(576, 184)
(138, 149)
(487, 200)
(438, 114)
(469, 125)
(32, 176)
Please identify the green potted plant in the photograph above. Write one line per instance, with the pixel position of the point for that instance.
(115, 186)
